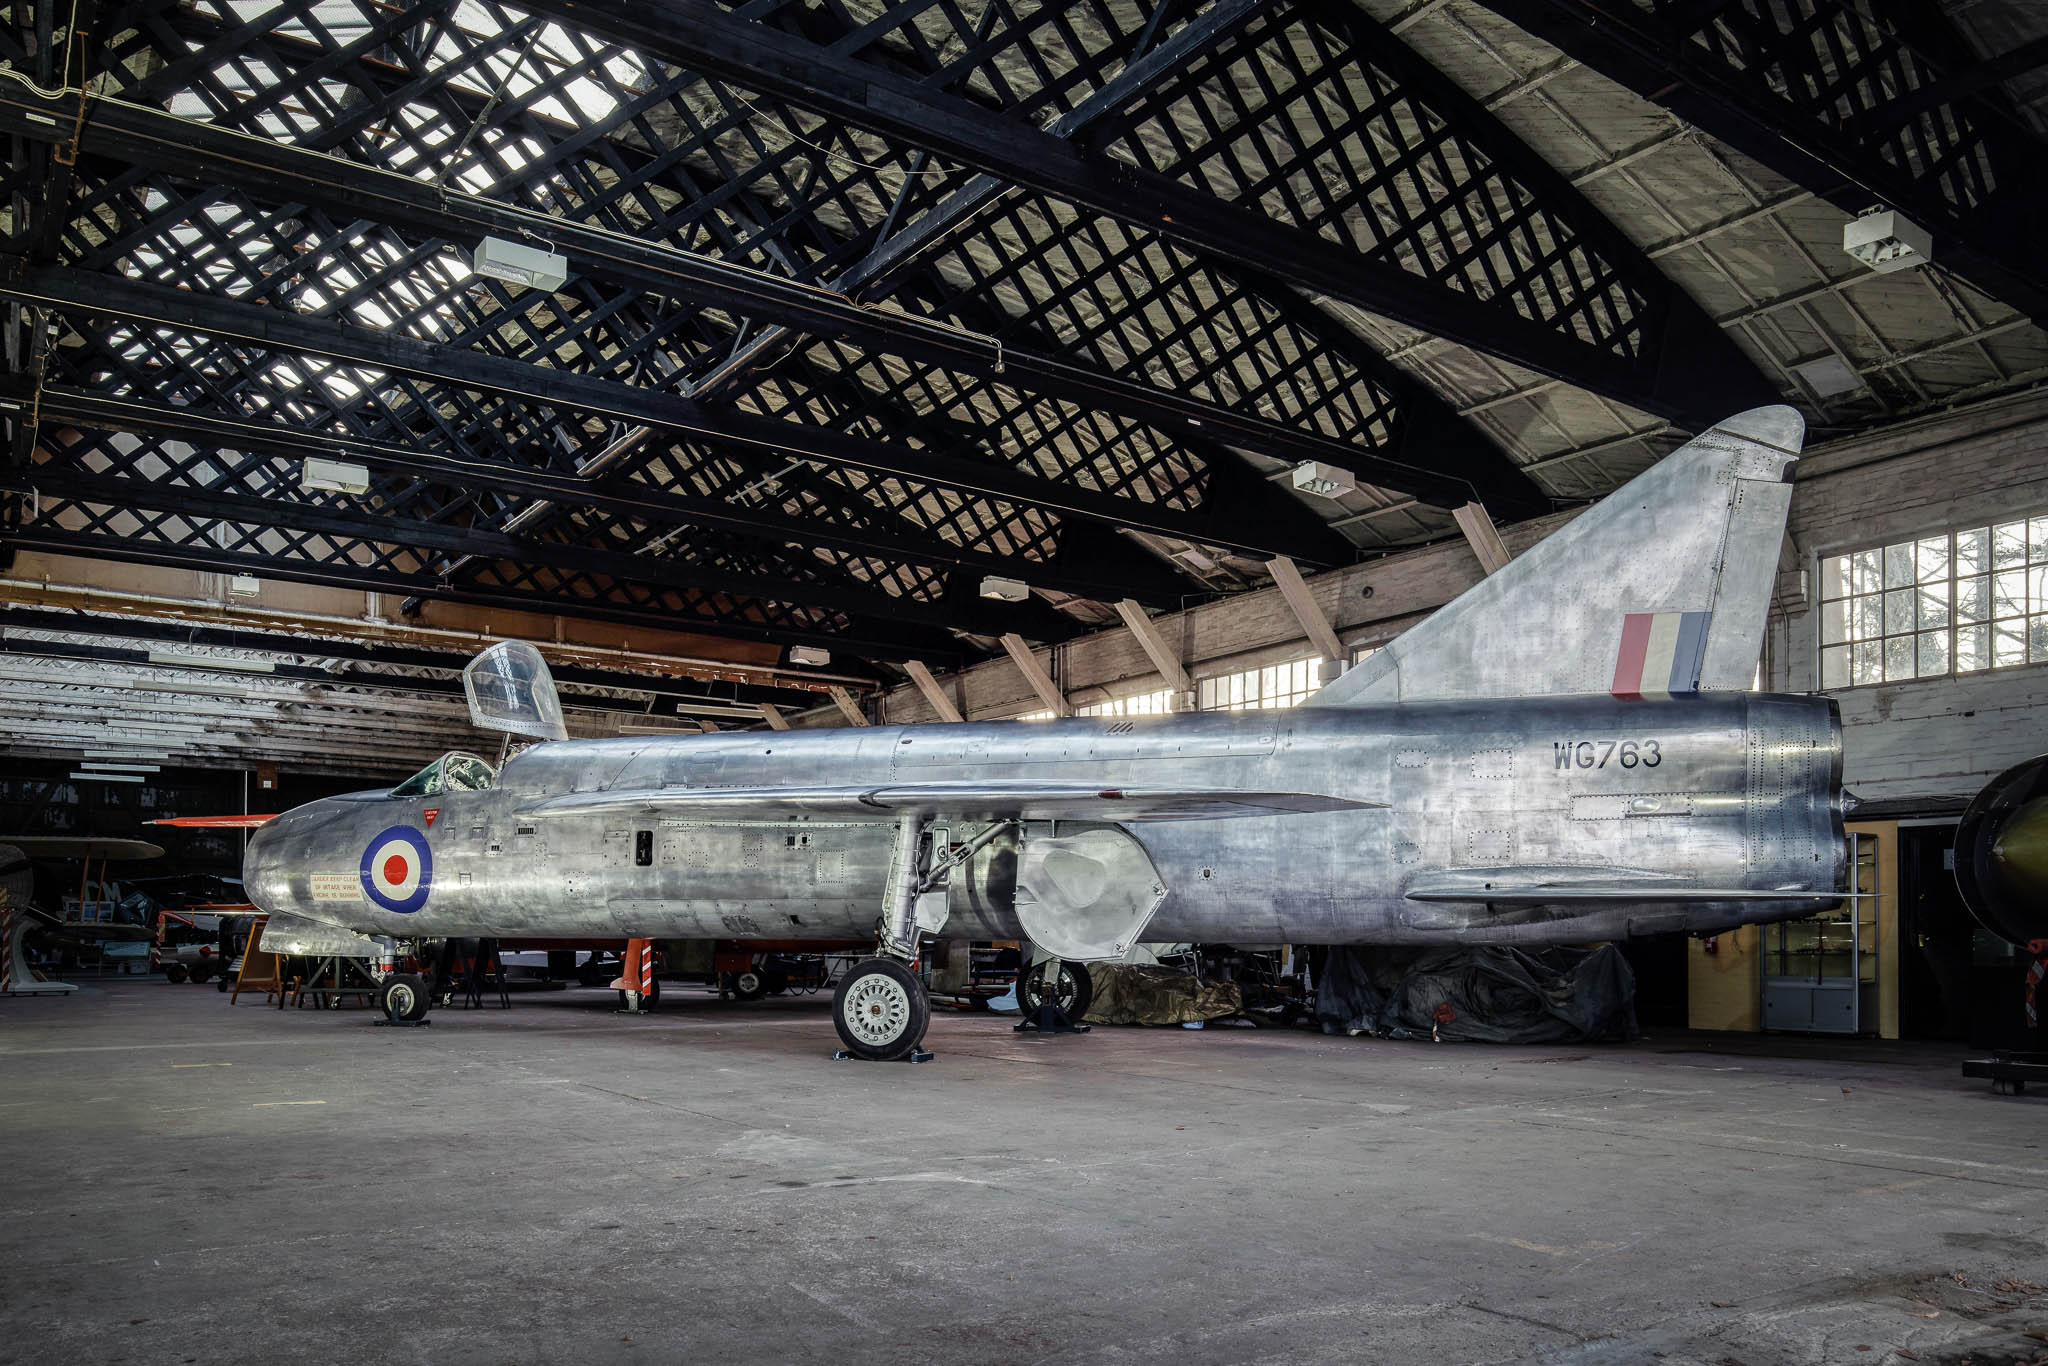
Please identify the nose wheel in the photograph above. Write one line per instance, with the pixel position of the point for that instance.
(881, 1010)
(403, 998)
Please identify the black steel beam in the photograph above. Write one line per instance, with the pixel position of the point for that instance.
(711, 39)
(1152, 584)
(874, 612)
(147, 137)
(133, 550)
(275, 329)
(300, 673)
(1818, 128)
(672, 693)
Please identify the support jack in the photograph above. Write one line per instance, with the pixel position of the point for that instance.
(1048, 1019)
(914, 1055)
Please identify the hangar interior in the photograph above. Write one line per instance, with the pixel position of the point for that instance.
(802, 365)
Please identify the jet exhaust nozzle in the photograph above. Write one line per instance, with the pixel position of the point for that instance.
(2002, 853)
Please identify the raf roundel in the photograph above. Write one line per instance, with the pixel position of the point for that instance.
(398, 869)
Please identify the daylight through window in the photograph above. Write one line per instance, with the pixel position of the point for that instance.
(1276, 685)
(1144, 704)
(1954, 603)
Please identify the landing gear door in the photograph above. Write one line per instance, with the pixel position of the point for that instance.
(510, 689)
(1085, 892)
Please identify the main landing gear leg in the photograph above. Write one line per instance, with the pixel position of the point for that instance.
(881, 1009)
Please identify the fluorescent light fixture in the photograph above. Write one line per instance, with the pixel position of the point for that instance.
(809, 655)
(517, 264)
(333, 476)
(238, 666)
(1887, 241)
(1328, 481)
(122, 767)
(1004, 590)
(1828, 376)
(112, 777)
(126, 754)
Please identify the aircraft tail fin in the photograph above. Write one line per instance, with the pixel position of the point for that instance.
(1659, 590)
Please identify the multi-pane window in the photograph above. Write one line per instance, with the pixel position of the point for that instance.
(1947, 604)
(1035, 716)
(1143, 704)
(1276, 685)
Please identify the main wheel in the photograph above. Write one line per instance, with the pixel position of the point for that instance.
(1069, 985)
(175, 973)
(748, 984)
(403, 996)
(880, 1010)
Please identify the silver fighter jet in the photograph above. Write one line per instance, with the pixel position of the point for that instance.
(1563, 754)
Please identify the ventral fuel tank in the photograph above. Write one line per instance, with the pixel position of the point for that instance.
(2002, 853)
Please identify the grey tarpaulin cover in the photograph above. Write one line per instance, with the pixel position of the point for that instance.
(1131, 993)
(1491, 994)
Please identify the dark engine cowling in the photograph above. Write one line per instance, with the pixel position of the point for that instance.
(2002, 853)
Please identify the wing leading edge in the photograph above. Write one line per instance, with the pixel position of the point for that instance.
(1019, 800)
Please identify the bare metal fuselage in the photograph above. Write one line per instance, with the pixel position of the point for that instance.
(1728, 791)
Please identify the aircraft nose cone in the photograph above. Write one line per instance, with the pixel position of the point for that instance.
(2002, 853)
(263, 877)
(2022, 846)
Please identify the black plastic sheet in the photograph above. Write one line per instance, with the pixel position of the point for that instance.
(1492, 994)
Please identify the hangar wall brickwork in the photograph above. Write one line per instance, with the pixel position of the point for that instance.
(1935, 738)
(1932, 738)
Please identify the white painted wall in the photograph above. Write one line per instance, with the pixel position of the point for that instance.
(1933, 739)
(1938, 737)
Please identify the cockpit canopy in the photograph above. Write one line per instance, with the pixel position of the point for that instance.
(455, 771)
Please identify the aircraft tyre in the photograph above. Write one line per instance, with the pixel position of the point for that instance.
(403, 996)
(201, 972)
(175, 973)
(880, 1010)
(748, 985)
(1070, 984)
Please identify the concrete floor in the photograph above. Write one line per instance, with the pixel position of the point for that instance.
(190, 1182)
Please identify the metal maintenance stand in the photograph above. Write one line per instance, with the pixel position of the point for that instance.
(2009, 1070)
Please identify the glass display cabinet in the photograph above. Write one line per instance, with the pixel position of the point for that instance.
(1820, 973)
